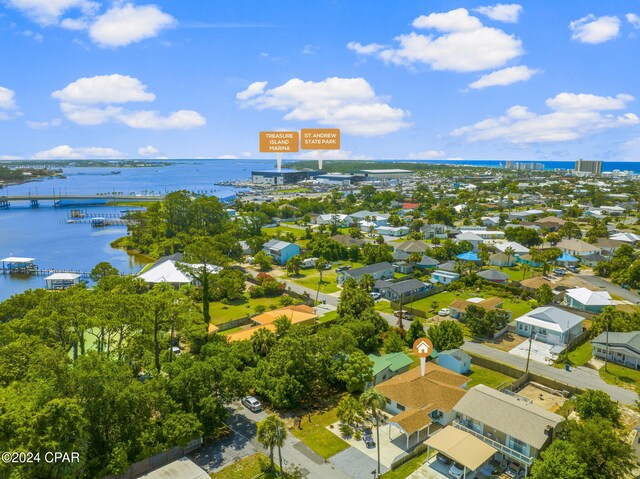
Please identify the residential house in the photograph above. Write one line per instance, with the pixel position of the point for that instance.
(550, 325)
(378, 219)
(494, 276)
(471, 237)
(396, 231)
(577, 247)
(427, 262)
(550, 223)
(623, 348)
(587, 300)
(412, 246)
(416, 401)
(458, 307)
(435, 231)
(407, 290)
(170, 269)
(455, 360)
(382, 270)
(515, 427)
(388, 365)
(502, 246)
(444, 277)
(280, 251)
(592, 260)
(298, 315)
(451, 266)
(348, 241)
(501, 259)
(528, 260)
(491, 221)
(403, 267)
(523, 215)
(57, 281)
(532, 284)
(609, 246)
(339, 220)
(629, 238)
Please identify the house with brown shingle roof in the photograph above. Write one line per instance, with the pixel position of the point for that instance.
(531, 284)
(417, 401)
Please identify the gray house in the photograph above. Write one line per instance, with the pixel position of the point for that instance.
(550, 325)
(408, 289)
(382, 270)
(624, 348)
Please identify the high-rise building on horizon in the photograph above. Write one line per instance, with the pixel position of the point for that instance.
(589, 166)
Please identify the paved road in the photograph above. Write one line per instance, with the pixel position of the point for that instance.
(581, 377)
(609, 286)
(243, 443)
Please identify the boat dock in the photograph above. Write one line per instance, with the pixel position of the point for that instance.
(26, 266)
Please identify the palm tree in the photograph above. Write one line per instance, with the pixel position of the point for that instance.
(374, 401)
(366, 282)
(272, 433)
(350, 410)
(263, 340)
(321, 266)
(294, 264)
(510, 252)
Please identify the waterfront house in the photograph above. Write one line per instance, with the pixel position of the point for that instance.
(61, 280)
(455, 360)
(550, 325)
(383, 270)
(280, 251)
(388, 365)
(515, 427)
(169, 269)
(417, 401)
(587, 300)
(444, 277)
(624, 348)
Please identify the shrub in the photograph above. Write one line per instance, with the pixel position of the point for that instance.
(346, 430)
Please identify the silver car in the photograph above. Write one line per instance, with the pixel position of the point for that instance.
(252, 404)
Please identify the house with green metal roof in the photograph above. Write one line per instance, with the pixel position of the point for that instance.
(388, 366)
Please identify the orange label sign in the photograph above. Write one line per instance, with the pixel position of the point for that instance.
(279, 141)
(423, 347)
(320, 138)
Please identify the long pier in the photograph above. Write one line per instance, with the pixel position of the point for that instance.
(59, 199)
(36, 271)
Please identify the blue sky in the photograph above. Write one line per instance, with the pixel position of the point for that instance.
(401, 78)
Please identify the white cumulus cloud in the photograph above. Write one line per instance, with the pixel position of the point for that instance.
(48, 12)
(104, 89)
(127, 23)
(330, 155)
(43, 125)
(465, 44)
(573, 116)
(426, 155)
(148, 150)
(594, 30)
(633, 19)
(503, 77)
(502, 12)
(101, 99)
(7, 99)
(66, 152)
(347, 103)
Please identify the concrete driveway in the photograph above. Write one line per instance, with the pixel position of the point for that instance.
(432, 469)
(540, 352)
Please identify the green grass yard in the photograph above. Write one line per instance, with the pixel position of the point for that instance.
(309, 278)
(488, 377)
(315, 435)
(621, 376)
(223, 313)
(408, 467)
(517, 307)
(330, 316)
(579, 356)
(246, 468)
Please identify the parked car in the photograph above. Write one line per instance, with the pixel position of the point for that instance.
(444, 312)
(456, 470)
(375, 296)
(443, 459)
(346, 267)
(328, 266)
(367, 437)
(625, 286)
(559, 272)
(404, 313)
(573, 269)
(252, 404)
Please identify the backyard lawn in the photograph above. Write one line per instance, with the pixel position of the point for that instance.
(309, 279)
(223, 313)
(488, 377)
(384, 306)
(248, 467)
(315, 435)
(330, 316)
(579, 356)
(621, 376)
(517, 307)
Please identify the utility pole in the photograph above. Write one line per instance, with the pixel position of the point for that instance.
(531, 337)
(606, 351)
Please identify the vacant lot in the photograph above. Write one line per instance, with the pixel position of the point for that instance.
(241, 308)
(313, 433)
(488, 377)
(517, 307)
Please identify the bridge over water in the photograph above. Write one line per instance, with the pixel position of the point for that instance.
(68, 200)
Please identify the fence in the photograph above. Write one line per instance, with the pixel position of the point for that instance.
(419, 449)
(423, 294)
(233, 324)
(159, 460)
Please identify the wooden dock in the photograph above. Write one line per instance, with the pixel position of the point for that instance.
(37, 271)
